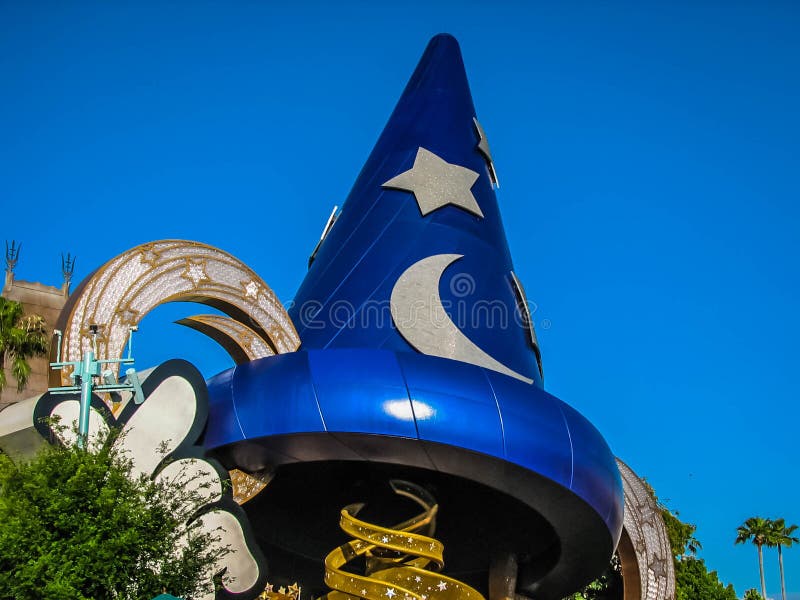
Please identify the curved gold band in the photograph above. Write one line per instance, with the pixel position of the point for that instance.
(401, 562)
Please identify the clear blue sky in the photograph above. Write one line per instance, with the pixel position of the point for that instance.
(648, 155)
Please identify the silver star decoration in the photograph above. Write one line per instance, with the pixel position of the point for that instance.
(442, 586)
(390, 592)
(195, 272)
(251, 290)
(483, 148)
(149, 256)
(659, 567)
(647, 519)
(129, 316)
(385, 539)
(436, 183)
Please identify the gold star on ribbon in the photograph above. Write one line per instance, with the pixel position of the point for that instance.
(400, 565)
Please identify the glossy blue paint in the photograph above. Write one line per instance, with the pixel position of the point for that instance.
(357, 391)
(290, 397)
(593, 472)
(344, 300)
(393, 396)
(222, 412)
(455, 402)
(535, 432)
(362, 391)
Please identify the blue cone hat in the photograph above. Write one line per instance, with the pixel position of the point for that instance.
(417, 363)
(423, 206)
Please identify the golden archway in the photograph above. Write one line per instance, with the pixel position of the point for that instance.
(119, 294)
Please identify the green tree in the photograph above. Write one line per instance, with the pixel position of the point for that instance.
(693, 580)
(758, 531)
(752, 594)
(77, 526)
(781, 535)
(680, 534)
(21, 337)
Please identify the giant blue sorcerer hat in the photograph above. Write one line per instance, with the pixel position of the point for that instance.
(424, 205)
(418, 362)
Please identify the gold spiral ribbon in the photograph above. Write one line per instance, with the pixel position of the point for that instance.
(402, 562)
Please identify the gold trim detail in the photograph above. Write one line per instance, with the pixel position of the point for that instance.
(644, 550)
(402, 562)
(247, 486)
(121, 292)
(242, 343)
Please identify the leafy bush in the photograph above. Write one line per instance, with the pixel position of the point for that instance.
(75, 525)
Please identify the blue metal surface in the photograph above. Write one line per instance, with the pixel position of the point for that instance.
(357, 391)
(455, 403)
(416, 397)
(288, 400)
(535, 433)
(344, 300)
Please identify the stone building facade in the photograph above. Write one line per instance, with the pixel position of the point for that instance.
(36, 298)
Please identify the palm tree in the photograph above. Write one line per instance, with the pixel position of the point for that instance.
(21, 337)
(782, 536)
(759, 531)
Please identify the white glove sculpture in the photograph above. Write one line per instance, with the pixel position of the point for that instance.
(160, 438)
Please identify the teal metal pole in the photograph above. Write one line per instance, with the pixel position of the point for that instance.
(88, 366)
